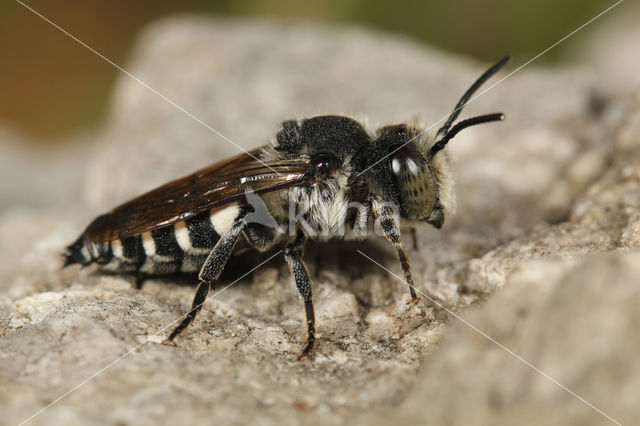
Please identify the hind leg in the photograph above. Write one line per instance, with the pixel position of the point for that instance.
(210, 271)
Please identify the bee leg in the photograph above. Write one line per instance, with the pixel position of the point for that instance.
(414, 238)
(210, 271)
(259, 236)
(198, 300)
(139, 278)
(391, 228)
(293, 255)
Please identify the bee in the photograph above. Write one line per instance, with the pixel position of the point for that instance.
(321, 178)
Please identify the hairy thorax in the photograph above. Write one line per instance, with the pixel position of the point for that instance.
(325, 210)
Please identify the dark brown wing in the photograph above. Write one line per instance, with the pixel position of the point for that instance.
(211, 188)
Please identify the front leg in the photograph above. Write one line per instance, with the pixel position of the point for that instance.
(293, 254)
(210, 271)
(390, 225)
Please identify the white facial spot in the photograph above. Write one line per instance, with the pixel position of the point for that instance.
(413, 167)
(395, 166)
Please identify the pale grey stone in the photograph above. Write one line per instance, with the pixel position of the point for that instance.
(543, 200)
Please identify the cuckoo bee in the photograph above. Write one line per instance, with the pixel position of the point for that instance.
(321, 178)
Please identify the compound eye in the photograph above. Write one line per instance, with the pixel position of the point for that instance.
(323, 166)
(415, 183)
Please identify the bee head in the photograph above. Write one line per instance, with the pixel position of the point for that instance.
(419, 185)
(411, 169)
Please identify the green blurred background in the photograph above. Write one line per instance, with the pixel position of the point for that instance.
(52, 87)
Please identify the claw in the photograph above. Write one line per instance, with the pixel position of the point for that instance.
(306, 353)
(169, 342)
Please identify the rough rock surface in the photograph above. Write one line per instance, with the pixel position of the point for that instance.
(539, 257)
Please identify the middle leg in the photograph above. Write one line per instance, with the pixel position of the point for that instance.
(293, 255)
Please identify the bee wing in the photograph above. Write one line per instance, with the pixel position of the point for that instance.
(211, 188)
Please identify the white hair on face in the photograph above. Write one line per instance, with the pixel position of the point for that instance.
(440, 165)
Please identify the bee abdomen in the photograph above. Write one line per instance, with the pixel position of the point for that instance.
(78, 253)
(181, 247)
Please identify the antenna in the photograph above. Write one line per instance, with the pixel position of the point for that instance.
(461, 125)
(465, 98)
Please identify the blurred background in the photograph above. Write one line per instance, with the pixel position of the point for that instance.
(52, 88)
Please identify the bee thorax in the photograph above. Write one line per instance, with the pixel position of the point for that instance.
(321, 211)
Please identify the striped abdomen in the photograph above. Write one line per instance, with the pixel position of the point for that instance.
(181, 247)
